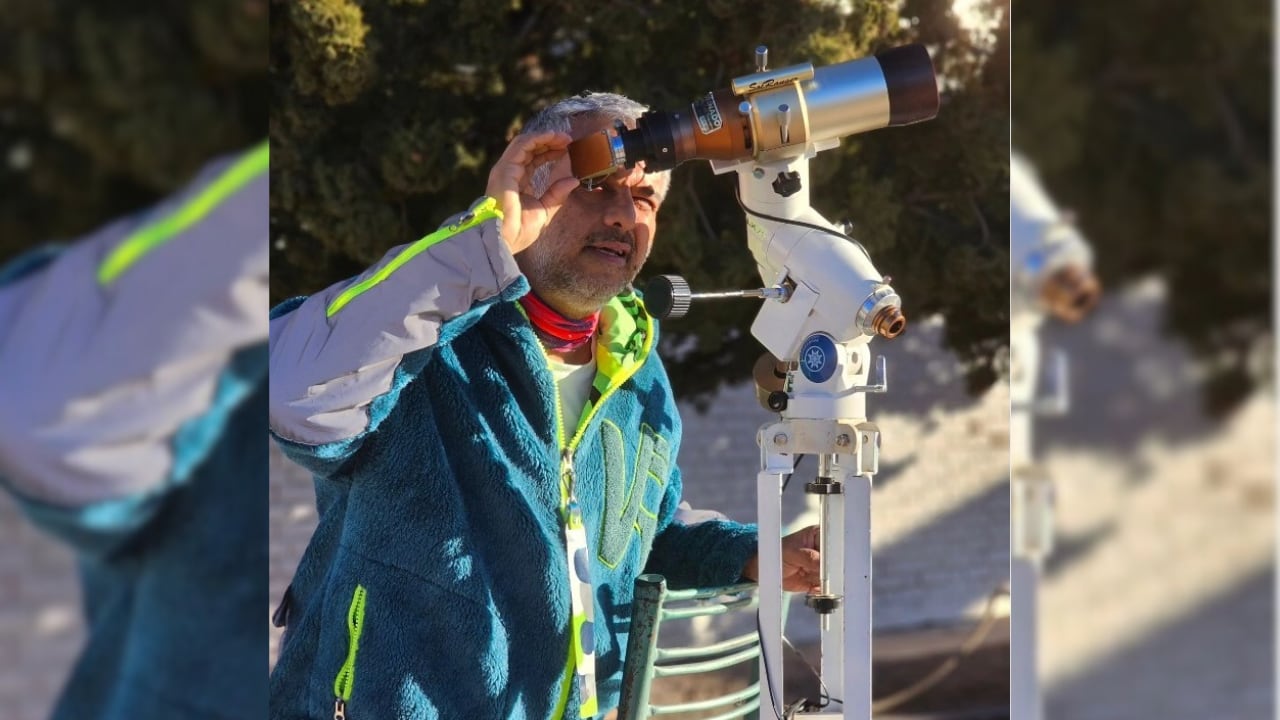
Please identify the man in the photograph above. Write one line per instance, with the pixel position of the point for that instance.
(131, 401)
(494, 444)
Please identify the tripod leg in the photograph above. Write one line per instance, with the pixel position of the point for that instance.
(1024, 682)
(833, 564)
(769, 519)
(857, 597)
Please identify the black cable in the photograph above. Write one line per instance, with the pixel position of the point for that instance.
(737, 196)
(768, 678)
(926, 682)
(795, 467)
(826, 694)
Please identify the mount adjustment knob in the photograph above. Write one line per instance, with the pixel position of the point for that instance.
(667, 296)
(787, 183)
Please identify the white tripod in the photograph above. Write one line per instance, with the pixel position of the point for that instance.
(1051, 275)
(836, 301)
(825, 300)
(1030, 511)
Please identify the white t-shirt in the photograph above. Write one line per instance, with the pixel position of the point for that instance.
(573, 382)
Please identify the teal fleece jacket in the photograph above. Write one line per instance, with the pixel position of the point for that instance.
(131, 414)
(435, 585)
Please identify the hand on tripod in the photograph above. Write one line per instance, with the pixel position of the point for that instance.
(799, 562)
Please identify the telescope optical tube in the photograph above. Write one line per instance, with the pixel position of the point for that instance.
(758, 113)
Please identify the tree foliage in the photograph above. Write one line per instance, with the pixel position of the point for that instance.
(387, 116)
(1153, 122)
(106, 106)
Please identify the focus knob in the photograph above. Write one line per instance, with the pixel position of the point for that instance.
(667, 296)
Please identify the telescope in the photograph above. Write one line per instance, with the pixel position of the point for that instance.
(770, 114)
(1052, 265)
(774, 120)
(824, 301)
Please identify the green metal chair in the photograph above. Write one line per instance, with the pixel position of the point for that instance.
(645, 661)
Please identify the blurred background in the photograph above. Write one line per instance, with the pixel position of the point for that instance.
(387, 117)
(104, 108)
(1151, 123)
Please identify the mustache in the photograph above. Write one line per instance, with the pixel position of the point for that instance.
(613, 235)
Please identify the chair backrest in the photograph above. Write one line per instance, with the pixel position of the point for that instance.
(645, 661)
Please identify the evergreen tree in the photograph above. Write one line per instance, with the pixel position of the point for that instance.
(105, 107)
(1152, 121)
(387, 116)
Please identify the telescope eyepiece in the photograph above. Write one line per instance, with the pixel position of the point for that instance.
(653, 141)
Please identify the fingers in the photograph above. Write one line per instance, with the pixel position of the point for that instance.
(511, 174)
(804, 585)
(801, 565)
(803, 559)
(525, 153)
(536, 161)
(806, 539)
(802, 582)
(558, 192)
(546, 156)
(525, 148)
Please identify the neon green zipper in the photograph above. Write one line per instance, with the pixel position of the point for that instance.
(345, 681)
(481, 211)
(153, 235)
(566, 471)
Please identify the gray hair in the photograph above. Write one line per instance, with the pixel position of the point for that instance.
(560, 116)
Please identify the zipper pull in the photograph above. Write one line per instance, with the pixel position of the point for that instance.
(339, 709)
(566, 471)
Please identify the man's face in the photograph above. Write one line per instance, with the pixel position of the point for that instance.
(597, 242)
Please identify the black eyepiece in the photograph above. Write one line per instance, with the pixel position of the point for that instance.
(653, 141)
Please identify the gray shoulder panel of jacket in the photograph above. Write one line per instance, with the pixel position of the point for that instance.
(99, 376)
(326, 369)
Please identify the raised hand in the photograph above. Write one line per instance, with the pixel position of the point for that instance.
(525, 216)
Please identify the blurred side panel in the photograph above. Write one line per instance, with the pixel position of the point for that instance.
(1149, 131)
(132, 259)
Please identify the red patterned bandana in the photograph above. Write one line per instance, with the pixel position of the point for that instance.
(556, 331)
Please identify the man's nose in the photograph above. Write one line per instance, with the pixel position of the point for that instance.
(621, 211)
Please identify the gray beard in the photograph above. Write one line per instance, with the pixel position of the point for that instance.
(569, 293)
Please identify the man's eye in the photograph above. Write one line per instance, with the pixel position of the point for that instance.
(645, 202)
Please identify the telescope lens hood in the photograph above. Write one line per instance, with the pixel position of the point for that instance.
(912, 85)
